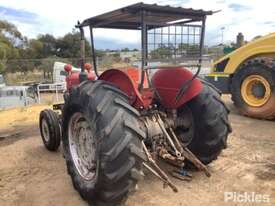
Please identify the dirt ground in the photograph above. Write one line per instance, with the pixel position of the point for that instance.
(30, 175)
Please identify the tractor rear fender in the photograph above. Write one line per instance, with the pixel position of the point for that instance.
(168, 81)
(127, 81)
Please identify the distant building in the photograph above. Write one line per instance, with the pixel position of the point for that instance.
(132, 55)
(126, 56)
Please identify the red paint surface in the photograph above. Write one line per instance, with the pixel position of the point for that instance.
(168, 82)
(88, 67)
(73, 79)
(68, 68)
(127, 80)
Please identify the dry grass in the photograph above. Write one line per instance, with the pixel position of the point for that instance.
(13, 117)
(20, 78)
(51, 98)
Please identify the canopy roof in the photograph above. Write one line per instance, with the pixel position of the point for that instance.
(131, 17)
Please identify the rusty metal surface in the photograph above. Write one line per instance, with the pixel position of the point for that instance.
(129, 17)
(172, 160)
(168, 148)
(157, 170)
(189, 155)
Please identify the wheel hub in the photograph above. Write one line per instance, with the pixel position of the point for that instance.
(82, 146)
(255, 90)
(258, 90)
(45, 130)
(186, 131)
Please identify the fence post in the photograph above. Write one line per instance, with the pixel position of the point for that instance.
(56, 92)
(38, 93)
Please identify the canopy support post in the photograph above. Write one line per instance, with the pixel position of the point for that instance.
(93, 51)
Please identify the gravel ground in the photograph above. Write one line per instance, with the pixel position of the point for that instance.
(30, 175)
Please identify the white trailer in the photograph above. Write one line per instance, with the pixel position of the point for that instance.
(59, 75)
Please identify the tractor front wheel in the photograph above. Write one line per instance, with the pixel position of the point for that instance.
(209, 127)
(50, 129)
(102, 143)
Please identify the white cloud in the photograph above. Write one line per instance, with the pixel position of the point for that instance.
(251, 22)
(59, 17)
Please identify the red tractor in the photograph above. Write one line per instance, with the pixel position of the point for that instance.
(123, 121)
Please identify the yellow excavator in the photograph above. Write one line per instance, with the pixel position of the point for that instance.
(248, 74)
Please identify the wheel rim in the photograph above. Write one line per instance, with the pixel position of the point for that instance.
(255, 90)
(186, 131)
(45, 130)
(82, 146)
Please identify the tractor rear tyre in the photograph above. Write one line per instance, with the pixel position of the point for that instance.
(102, 143)
(253, 89)
(209, 125)
(50, 129)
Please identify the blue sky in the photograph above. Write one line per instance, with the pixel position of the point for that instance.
(33, 17)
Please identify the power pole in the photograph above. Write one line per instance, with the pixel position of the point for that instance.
(222, 30)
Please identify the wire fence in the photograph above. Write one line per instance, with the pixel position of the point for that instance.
(174, 42)
(54, 89)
